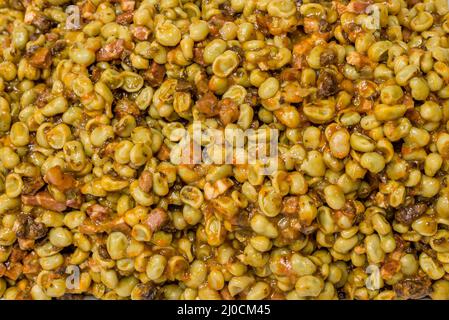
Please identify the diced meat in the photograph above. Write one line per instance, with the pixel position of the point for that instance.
(31, 185)
(13, 271)
(184, 86)
(111, 51)
(357, 7)
(409, 214)
(215, 24)
(2, 269)
(74, 198)
(62, 181)
(155, 74)
(140, 32)
(127, 5)
(289, 74)
(146, 181)
(87, 10)
(116, 224)
(41, 58)
(198, 56)
(39, 20)
(17, 255)
(58, 46)
(156, 219)
(103, 252)
(358, 60)
(146, 291)
(328, 57)
(125, 18)
(228, 111)
(45, 200)
(327, 84)
(413, 288)
(98, 213)
(26, 244)
(390, 268)
(28, 228)
(207, 104)
(290, 205)
(31, 264)
(163, 153)
(126, 107)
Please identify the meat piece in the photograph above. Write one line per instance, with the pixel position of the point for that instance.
(290, 205)
(390, 268)
(125, 107)
(413, 288)
(184, 86)
(146, 291)
(228, 111)
(156, 219)
(146, 181)
(39, 20)
(111, 51)
(215, 24)
(58, 46)
(208, 104)
(31, 264)
(140, 32)
(45, 200)
(2, 269)
(31, 185)
(13, 271)
(125, 18)
(74, 198)
(28, 228)
(163, 153)
(41, 58)
(328, 57)
(98, 213)
(127, 5)
(26, 244)
(290, 74)
(62, 181)
(409, 214)
(327, 84)
(17, 255)
(155, 74)
(198, 56)
(103, 252)
(87, 10)
(263, 23)
(358, 60)
(116, 224)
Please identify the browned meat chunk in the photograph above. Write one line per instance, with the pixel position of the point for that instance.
(207, 104)
(146, 181)
(62, 181)
(327, 84)
(416, 288)
(45, 200)
(27, 228)
(111, 51)
(228, 111)
(155, 74)
(156, 219)
(125, 18)
(410, 213)
(41, 58)
(98, 213)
